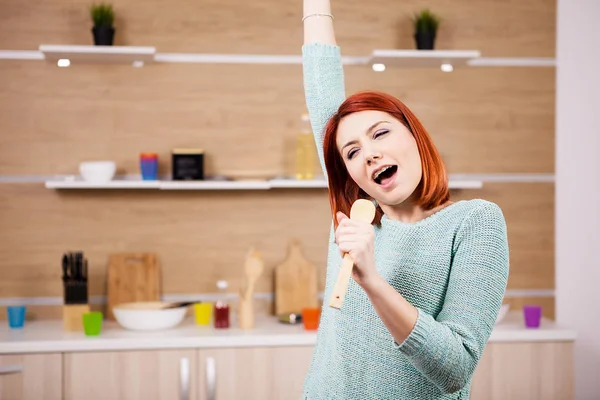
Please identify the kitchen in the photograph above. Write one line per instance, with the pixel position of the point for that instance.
(493, 118)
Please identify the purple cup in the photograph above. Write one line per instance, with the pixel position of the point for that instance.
(533, 316)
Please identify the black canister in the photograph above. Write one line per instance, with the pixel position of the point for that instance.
(188, 164)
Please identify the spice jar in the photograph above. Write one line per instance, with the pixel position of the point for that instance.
(221, 314)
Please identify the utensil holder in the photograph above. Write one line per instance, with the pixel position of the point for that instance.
(246, 313)
(73, 316)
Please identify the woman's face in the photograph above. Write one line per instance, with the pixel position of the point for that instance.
(381, 155)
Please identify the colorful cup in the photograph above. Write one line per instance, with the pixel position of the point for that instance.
(203, 313)
(310, 318)
(149, 166)
(16, 316)
(533, 316)
(92, 323)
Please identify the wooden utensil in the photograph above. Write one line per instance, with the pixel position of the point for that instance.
(132, 277)
(296, 284)
(253, 268)
(362, 210)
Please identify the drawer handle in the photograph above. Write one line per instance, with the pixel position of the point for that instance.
(211, 378)
(10, 369)
(184, 378)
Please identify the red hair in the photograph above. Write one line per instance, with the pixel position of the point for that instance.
(343, 191)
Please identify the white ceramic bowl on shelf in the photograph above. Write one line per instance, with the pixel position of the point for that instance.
(97, 171)
(148, 315)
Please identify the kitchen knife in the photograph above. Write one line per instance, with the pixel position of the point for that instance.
(84, 275)
(78, 266)
(65, 268)
(71, 266)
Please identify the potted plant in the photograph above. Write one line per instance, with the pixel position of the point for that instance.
(426, 25)
(103, 18)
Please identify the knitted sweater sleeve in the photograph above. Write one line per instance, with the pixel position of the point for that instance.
(447, 348)
(323, 87)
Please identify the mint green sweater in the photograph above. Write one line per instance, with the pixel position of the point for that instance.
(452, 266)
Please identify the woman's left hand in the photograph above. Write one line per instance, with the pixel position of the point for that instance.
(356, 238)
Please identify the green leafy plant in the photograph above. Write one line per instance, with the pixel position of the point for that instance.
(102, 14)
(426, 21)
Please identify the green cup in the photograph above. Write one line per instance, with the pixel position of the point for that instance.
(92, 323)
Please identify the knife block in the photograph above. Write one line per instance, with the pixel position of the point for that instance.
(73, 316)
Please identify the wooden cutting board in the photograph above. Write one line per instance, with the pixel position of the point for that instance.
(295, 283)
(132, 277)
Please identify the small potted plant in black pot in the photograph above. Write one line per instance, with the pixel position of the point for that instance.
(426, 25)
(103, 17)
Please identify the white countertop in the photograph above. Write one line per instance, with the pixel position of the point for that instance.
(49, 336)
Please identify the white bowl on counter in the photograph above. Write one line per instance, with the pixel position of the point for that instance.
(97, 171)
(148, 315)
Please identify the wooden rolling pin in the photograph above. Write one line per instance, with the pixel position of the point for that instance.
(362, 210)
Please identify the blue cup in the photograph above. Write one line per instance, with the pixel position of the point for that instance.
(16, 316)
(149, 166)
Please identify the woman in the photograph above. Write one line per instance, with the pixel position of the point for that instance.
(429, 274)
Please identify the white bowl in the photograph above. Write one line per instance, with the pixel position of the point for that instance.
(98, 171)
(502, 313)
(148, 316)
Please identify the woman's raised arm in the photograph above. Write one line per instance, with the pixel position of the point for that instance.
(322, 68)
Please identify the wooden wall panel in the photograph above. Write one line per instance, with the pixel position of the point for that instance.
(484, 120)
(201, 237)
(529, 213)
(497, 28)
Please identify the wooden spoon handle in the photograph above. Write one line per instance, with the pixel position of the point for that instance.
(341, 285)
(362, 210)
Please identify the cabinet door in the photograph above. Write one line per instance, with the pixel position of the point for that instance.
(131, 375)
(528, 371)
(257, 373)
(31, 377)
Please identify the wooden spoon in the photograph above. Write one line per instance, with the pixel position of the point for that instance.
(253, 268)
(362, 210)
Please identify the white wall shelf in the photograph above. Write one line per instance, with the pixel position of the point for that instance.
(295, 183)
(422, 58)
(98, 54)
(139, 55)
(243, 59)
(78, 183)
(512, 62)
(214, 185)
(21, 55)
(464, 184)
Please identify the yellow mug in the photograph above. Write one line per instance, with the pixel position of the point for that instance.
(203, 313)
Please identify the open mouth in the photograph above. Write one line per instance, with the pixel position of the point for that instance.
(385, 175)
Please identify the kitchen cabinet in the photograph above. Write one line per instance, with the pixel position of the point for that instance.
(267, 363)
(131, 375)
(253, 373)
(527, 371)
(31, 377)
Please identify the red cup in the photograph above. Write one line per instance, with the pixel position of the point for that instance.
(310, 318)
